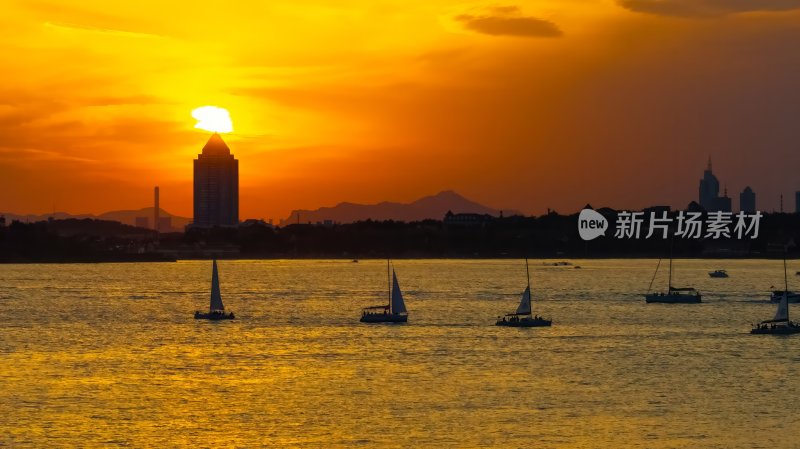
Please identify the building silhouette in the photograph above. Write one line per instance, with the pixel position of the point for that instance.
(747, 200)
(722, 203)
(466, 219)
(797, 202)
(216, 186)
(709, 193)
(709, 188)
(164, 224)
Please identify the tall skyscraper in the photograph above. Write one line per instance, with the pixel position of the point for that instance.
(709, 189)
(747, 200)
(797, 202)
(216, 185)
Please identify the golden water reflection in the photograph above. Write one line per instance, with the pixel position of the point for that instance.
(110, 356)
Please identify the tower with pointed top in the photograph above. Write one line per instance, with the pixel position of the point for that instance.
(709, 188)
(216, 186)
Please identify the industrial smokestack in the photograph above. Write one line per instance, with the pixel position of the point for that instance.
(155, 210)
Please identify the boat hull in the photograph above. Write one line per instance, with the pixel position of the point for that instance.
(777, 330)
(717, 275)
(673, 299)
(213, 316)
(792, 297)
(525, 323)
(383, 318)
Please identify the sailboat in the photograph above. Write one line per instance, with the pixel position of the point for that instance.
(674, 295)
(777, 295)
(523, 316)
(216, 310)
(395, 311)
(780, 324)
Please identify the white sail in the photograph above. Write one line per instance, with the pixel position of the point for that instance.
(398, 306)
(525, 303)
(216, 296)
(783, 309)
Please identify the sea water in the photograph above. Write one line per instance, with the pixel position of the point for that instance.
(109, 355)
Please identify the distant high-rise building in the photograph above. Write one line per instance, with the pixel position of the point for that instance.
(216, 185)
(709, 189)
(721, 203)
(747, 200)
(797, 202)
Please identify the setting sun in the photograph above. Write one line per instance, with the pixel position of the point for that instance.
(212, 118)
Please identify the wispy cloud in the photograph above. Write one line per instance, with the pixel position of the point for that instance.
(707, 8)
(83, 17)
(96, 29)
(508, 21)
(40, 155)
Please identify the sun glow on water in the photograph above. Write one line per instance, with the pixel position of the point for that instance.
(213, 118)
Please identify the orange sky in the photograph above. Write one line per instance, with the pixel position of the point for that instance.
(519, 105)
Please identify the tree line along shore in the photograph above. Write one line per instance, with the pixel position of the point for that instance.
(547, 236)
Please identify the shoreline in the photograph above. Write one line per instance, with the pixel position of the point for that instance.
(166, 259)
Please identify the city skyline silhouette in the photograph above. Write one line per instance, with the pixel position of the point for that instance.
(524, 106)
(394, 223)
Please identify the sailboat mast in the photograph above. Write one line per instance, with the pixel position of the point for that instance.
(650, 287)
(530, 299)
(786, 282)
(669, 286)
(785, 279)
(389, 283)
(528, 272)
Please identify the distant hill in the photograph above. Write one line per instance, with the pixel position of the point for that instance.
(429, 207)
(127, 217)
(91, 226)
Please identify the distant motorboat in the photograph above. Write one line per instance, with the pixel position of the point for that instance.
(562, 263)
(673, 295)
(216, 310)
(718, 274)
(780, 324)
(523, 316)
(395, 311)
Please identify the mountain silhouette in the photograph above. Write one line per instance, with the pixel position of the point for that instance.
(127, 217)
(429, 207)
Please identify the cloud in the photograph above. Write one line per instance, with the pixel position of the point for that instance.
(95, 29)
(707, 8)
(508, 21)
(35, 154)
(86, 18)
